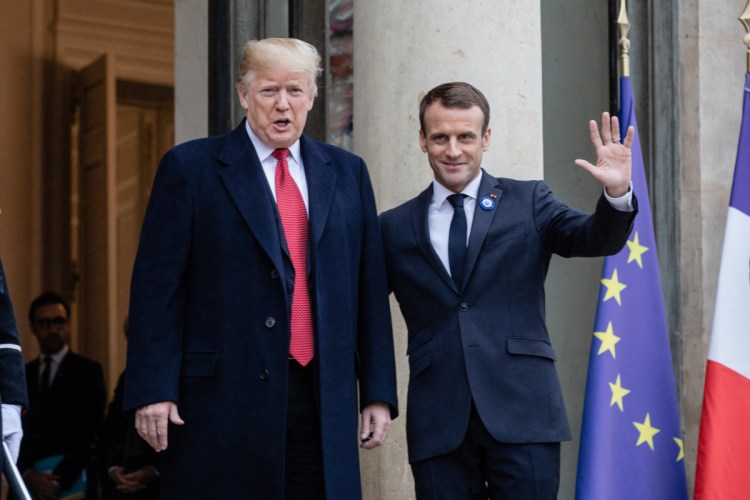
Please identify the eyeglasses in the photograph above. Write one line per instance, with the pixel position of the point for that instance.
(57, 322)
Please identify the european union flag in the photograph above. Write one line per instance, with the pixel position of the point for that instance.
(631, 441)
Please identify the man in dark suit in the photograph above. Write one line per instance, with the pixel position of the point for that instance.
(66, 404)
(259, 304)
(467, 259)
(13, 395)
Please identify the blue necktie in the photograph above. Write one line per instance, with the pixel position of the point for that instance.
(457, 238)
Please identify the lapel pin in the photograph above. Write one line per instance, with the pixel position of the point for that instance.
(487, 203)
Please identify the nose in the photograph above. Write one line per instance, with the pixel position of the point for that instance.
(282, 100)
(453, 150)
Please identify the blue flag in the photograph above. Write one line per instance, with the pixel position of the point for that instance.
(631, 440)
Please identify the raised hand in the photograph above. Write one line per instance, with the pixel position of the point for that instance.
(613, 159)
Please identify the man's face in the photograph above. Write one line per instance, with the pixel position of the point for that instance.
(277, 104)
(454, 143)
(51, 328)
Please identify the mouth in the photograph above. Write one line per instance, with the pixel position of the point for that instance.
(282, 124)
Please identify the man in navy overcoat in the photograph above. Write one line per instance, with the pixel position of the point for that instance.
(467, 259)
(212, 293)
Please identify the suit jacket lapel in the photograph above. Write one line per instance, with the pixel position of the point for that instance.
(422, 231)
(321, 186)
(247, 185)
(489, 188)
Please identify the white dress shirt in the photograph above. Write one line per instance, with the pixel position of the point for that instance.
(268, 162)
(54, 366)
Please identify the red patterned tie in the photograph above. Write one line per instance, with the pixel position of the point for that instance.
(294, 219)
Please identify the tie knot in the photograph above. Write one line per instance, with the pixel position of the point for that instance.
(280, 154)
(457, 200)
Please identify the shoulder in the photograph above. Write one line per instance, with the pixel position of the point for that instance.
(335, 155)
(82, 362)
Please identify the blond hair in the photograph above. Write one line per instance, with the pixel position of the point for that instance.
(279, 54)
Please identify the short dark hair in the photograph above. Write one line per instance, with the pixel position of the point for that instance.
(459, 95)
(46, 298)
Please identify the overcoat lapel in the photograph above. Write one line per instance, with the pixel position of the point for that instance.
(488, 188)
(247, 185)
(321, 186)
(422, 232)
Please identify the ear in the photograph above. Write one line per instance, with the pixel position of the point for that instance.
(422, 141)
(310, 102)
(242, 91)
(486, 139)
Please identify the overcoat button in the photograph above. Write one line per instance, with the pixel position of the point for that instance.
(274, 274)
(463, 307)
(264, 375)
(270, 322)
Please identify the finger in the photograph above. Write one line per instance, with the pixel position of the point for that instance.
(596, 140)
(606, 128)
(380, 433)
(587, 166)
(629, 136)
(615, 129)
(365, 434)
(174, 416)
(161, 432)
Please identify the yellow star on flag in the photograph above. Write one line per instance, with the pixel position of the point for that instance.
(609, 339)
(614, 287)
(681, 454)
(636, 250)
(618, 392)
(647, 432)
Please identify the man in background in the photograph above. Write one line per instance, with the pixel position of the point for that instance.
(66, 405)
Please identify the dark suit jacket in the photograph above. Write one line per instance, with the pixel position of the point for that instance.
(487, 341)
(67, 420)
(120, 445)
(12, 378)
(209, 316)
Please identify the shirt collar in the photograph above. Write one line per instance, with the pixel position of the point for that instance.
(441, 193)
(57, 357)
(264, 151)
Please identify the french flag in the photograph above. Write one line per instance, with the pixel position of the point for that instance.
(723, 470)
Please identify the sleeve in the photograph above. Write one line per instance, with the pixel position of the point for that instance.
(90, 399)
(375, 340)
(12, 373)
(157, 300)
(572, 233)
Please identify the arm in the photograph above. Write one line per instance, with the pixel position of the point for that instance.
(157, 304)
(12, 374)
(375, 339)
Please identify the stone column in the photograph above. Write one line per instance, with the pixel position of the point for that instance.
(401, 50)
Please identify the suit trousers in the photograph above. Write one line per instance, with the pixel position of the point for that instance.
(304, 478)
(483, 468)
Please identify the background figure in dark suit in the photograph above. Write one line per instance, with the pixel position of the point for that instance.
(259, 303)
(66, 403)
(129, 465)
(12, 378)
(485, 413)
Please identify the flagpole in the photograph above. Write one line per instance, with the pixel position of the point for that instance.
(745, 20)
(623, 25)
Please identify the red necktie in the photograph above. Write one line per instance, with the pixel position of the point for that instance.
(294, 220)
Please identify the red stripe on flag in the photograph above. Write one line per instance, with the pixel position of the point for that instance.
(724, 443)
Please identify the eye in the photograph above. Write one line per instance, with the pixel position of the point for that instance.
(439, 138)
(296, 92)
(267, 91)
(467, 137)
